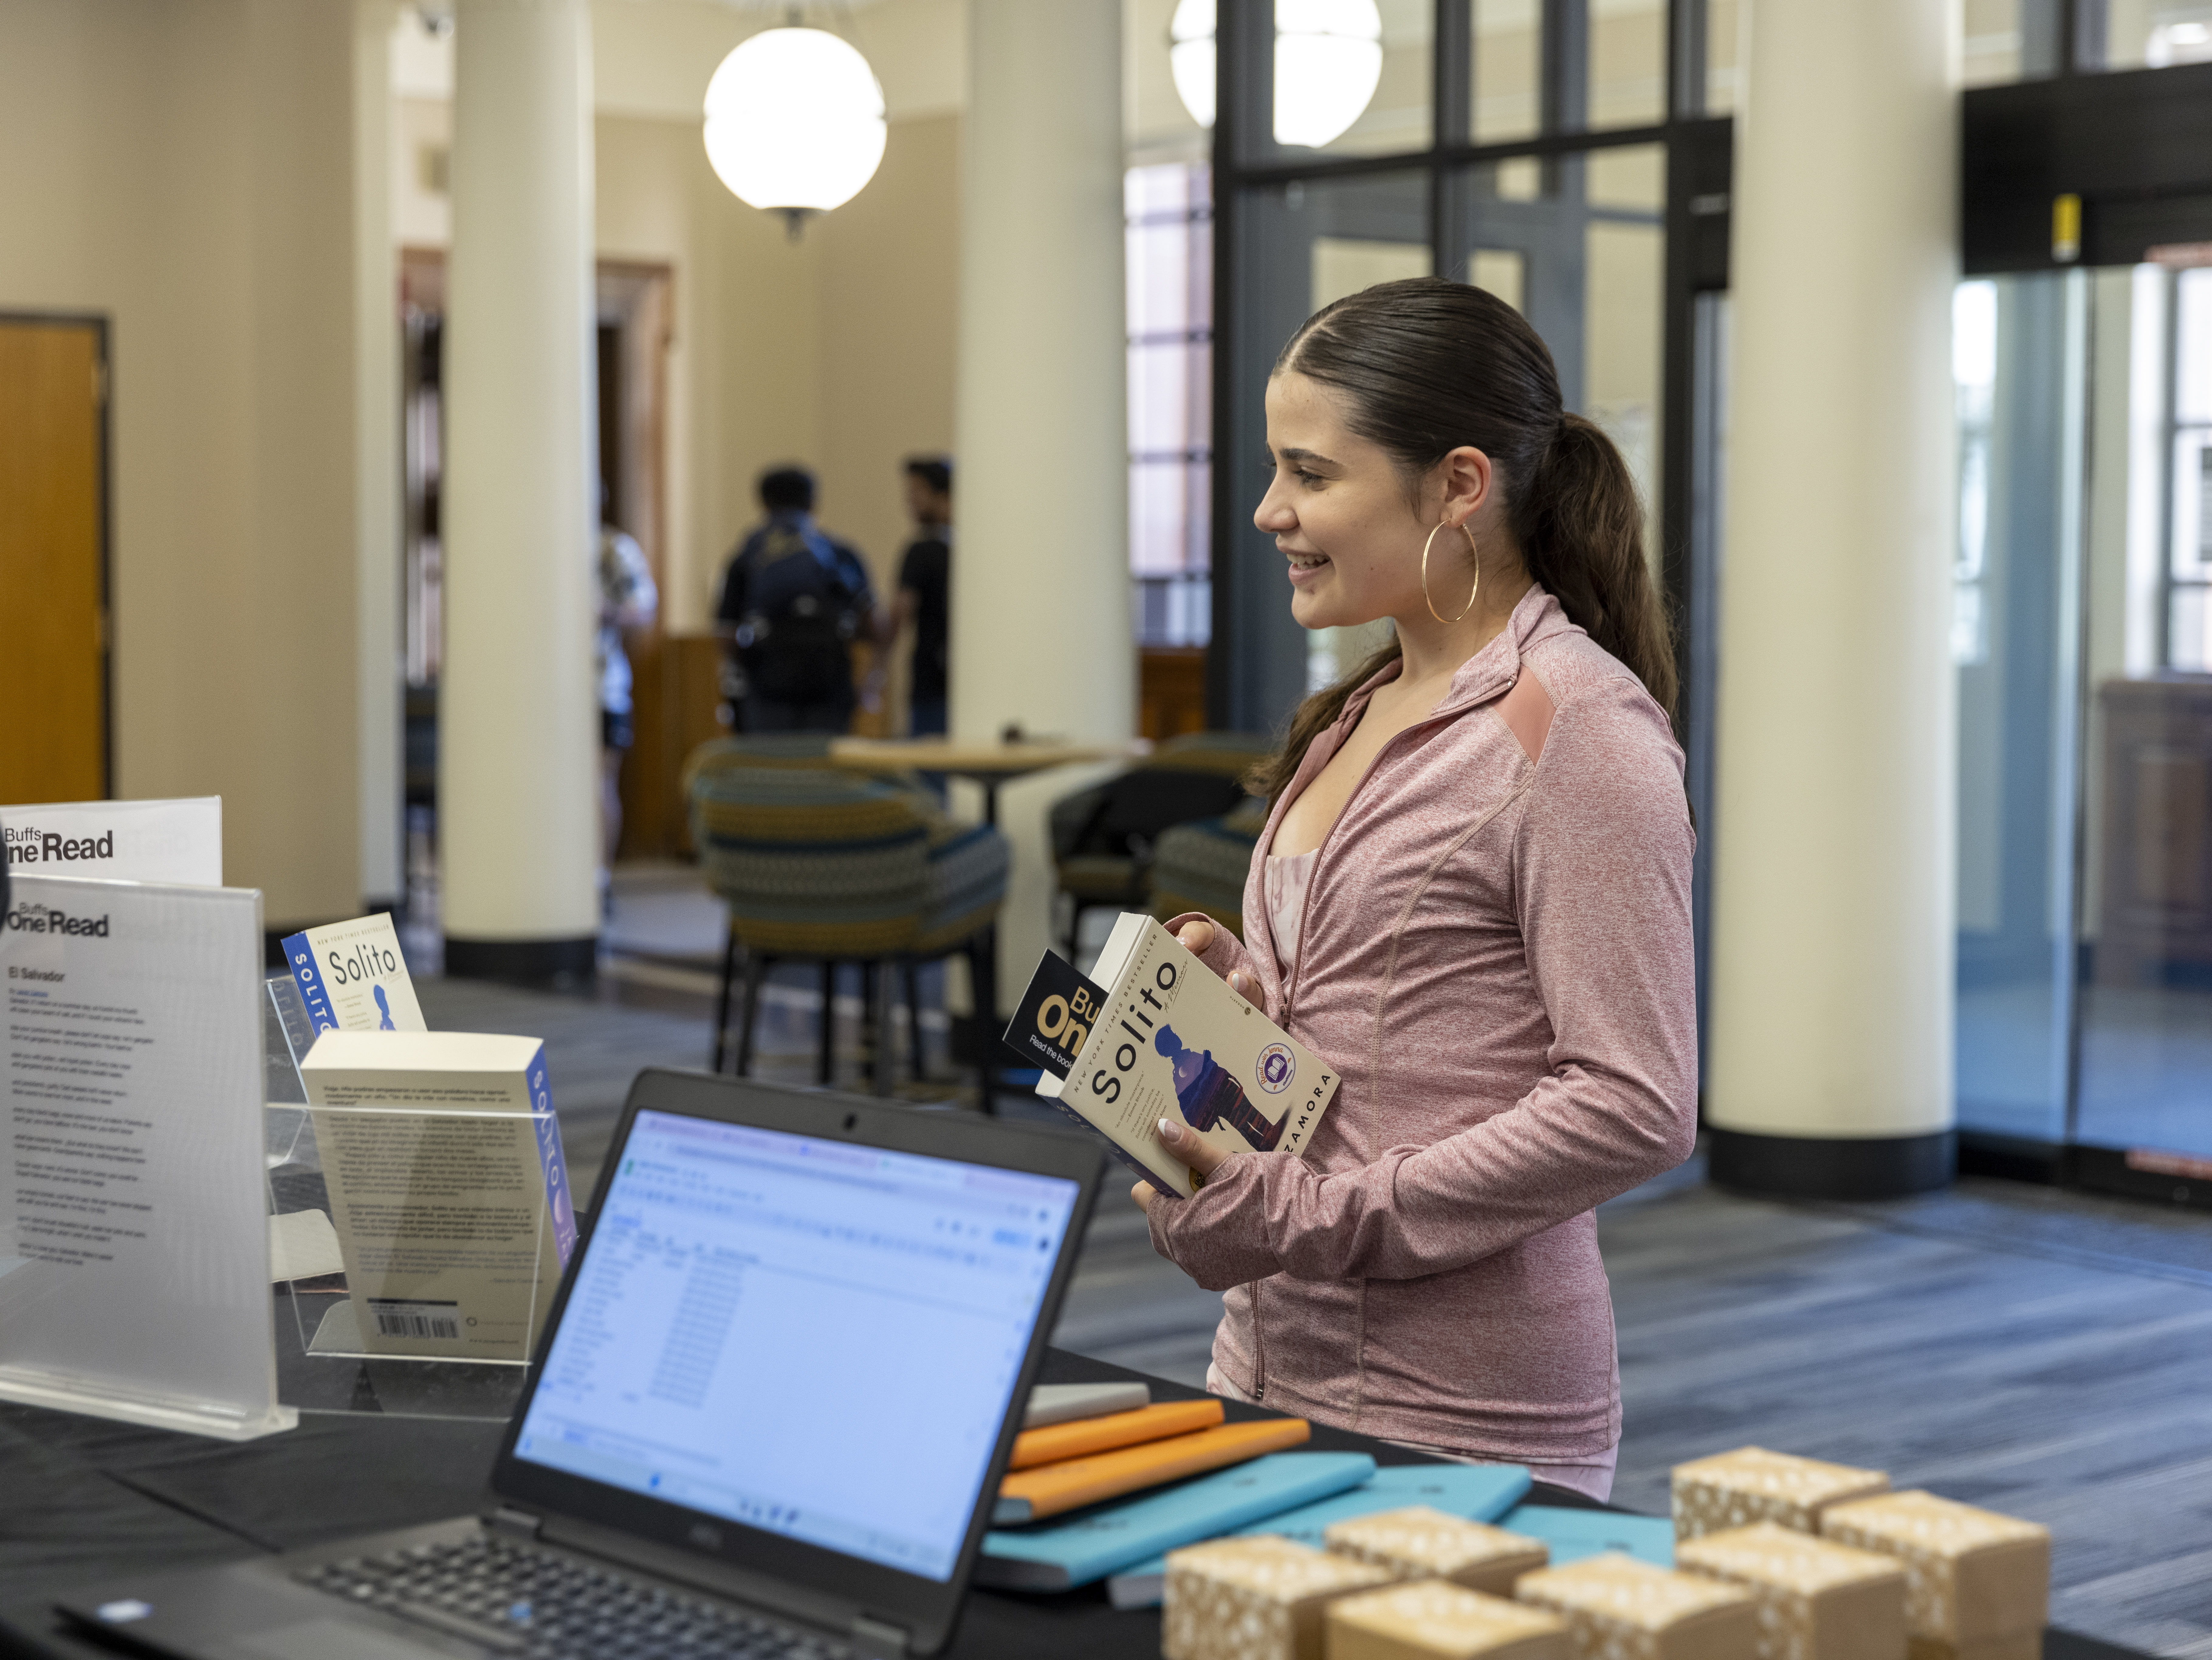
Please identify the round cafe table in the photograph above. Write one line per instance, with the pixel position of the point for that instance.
(989, 764)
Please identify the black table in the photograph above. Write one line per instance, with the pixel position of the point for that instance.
(81, 1498)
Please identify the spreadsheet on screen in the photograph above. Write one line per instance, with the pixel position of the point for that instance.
(812, 1338)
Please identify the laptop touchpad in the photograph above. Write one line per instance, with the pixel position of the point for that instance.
(334, 1640)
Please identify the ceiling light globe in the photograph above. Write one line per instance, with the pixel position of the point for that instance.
(1329, 61)
(794, 121)
(1190, 58)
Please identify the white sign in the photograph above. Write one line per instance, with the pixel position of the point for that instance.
(133, 841)
(134, 1239)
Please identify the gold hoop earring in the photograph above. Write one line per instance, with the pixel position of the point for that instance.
(1474, 552)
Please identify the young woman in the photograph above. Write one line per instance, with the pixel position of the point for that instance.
(1472, 896)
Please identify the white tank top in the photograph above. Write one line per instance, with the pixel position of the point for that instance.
(1283, 884)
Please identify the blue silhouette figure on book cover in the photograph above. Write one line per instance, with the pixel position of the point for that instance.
(1209, 1094)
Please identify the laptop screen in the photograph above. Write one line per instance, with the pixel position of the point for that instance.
(809, 1337)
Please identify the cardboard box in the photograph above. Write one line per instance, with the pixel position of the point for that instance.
(1417, 1542)
(1736, 1489)
(1971, 1576)
(1255, 1599)
(1430, 1620)
(1817, 1600)
(1619, 1608)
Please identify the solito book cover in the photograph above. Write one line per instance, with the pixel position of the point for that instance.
(352, 977)
(1170, 1039)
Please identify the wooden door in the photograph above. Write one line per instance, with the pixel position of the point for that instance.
(53, 601)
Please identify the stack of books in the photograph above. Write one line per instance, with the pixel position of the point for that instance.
(1102, 1488)
(1067, 1466)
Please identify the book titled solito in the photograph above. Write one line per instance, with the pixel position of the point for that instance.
(1153, 1033)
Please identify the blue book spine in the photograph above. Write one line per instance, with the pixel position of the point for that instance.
(1477, 1493)
(1066, 1555)
(1574, 1534)
(301, 955)
(559, 1204)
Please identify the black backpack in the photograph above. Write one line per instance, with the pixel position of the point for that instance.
(795, 639)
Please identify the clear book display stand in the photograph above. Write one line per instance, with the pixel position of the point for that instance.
(412, 1248)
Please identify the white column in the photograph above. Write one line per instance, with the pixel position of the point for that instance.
(378, 575)
(517, 740)
(1830, 1043)
(1041, 625)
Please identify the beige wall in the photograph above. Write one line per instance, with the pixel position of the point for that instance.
(836, 350)
(890, 302)
(185, 168)
(741, 391)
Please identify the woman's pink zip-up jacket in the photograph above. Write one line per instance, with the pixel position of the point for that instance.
(1496, 954)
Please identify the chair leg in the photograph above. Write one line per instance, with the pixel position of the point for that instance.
(984, 979)
(871, 1059)
(825, 1070)
(757, 968)
(722, 1004)
(914, 1018)
(885, 1004)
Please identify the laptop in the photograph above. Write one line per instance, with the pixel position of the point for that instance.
(768, 1417)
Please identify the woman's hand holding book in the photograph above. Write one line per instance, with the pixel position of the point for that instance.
(1195, 937)
(1186, 1145)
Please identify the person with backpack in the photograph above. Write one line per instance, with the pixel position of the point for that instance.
(792, 601)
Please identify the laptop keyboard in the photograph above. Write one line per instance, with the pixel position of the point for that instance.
(516, 1599)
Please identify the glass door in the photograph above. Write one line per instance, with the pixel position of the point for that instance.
(2018, 358)
(2145, 1108)
(2083, 643)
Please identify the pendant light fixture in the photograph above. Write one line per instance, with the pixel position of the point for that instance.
(1329, 61)
(794, 121)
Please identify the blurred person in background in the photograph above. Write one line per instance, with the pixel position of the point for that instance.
(792, 601)
(925, 592)
(628, 605)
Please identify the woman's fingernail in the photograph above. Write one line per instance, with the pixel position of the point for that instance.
(1170, 1131)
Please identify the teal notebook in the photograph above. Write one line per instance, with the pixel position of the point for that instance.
(1480, 1493)
(1061, 1555)
(1575, 1534)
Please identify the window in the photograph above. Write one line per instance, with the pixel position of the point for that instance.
(2158, 35)
(2188, 486)
(1170, 242)
(2008, 41)
(1973, 376)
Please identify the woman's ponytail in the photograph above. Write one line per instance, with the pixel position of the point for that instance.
(1580, 525)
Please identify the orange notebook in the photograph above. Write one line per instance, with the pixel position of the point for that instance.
(1030, 1495)
(1055, 1441)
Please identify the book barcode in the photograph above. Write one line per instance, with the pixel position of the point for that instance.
(389, 1324)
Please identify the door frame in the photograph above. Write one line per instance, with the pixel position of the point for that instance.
(103, 346)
